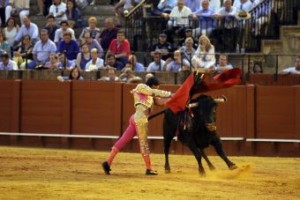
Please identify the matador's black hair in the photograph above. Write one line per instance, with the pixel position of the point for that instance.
(152, 81)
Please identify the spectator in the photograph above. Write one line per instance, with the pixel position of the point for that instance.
(73, 15)
(44, 6)
(164, 6)
(120, 47)
(51, 27)
(23, 55)
(177, 64)
(262, 15)
(123, 7)
(43, 48)
(205, 54)
(108, 34)
(229, 28)
(95, 63)
(65, 63)
(111, 75)
(245, 5)
(214, 5)
(147, 76)
(68, 46)
(28, 28)
(17, 7)
(157, 64)
(206, 21)
(294, 69)
(3, 4)
(187, 51)
(53, 63)
(188, 34)
(134, 65)
(74, 75)
(11, 31)
(4, 45)
(6, 63)
(83, 57)
(223, 64)
(58, 10)
(95, 32)
(112, 62)
(165, 47)
(59, 33)
(257, 68)
(128, 76)
(93, 43)
(193, 4)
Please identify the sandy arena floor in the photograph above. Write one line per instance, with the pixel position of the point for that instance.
(31, 173)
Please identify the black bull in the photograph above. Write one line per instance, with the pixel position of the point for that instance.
(195, 128)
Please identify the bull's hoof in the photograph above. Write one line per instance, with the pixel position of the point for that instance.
(167, 171)
(212, 168)
(202, 172)
(233, 167)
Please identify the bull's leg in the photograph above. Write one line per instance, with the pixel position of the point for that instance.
(167, 144)
(210, 165)
(216, 142)
(197, 153)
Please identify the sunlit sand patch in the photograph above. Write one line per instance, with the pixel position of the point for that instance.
(241, 171)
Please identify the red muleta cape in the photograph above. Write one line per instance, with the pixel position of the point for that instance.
(224, 80)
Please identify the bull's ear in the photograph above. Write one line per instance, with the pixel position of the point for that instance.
(221, 99)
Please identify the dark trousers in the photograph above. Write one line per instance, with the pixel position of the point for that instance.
(2, 16)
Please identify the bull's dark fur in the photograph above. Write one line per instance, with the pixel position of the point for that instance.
(192, 131)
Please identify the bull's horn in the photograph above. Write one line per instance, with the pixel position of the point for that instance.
(192, 105)
(221, 99)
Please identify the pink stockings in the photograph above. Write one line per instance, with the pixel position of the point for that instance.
(130, 132)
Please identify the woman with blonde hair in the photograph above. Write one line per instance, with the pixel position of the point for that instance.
(205, 54)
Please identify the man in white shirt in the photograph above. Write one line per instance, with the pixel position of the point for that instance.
(58, 10)
(6, 63)
(59, 33)
(95, 63)
(179, 15)
(214, 5)
(245, 5)
(293, 70)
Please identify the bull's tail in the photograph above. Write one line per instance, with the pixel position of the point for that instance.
(156, 114)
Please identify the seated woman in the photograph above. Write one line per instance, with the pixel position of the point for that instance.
(73, 15)
(4, 45)
(205, 54)
(74, 75)
(83, 57)
(23, 55)
(53, 63)
(177, 64)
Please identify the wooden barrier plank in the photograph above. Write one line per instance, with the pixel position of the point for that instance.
(96, 108)
(45, 107)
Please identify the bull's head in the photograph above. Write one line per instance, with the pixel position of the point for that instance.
(205, 106)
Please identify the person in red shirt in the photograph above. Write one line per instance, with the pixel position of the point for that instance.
(120, 47)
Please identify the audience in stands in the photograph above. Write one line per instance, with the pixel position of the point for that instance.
(112, 62)
(120, 47)
(19, 8)
(52, 64)
(214, 5)
(207, 23)
(92, 28)
(83, 57)
(157, 63)
(68, 46)
(28, 28)
(92, 43)
(111, 75)
(108, 33)
(262, 15)
(193, 4)
(6, 63)
(128, 76)
(257, 68)
(164, 6)
(4, 45)
(65, 63)
(294, 69)
(95, 63)
(165, 47)
(134, 64)
(205, 54)
(23, 54)
(188, 51)
(43, 49)
(59, 33)
(73, 15)
(51, 26)
(11, 31)
(58, 10)
(245, 5)
(177, 63)
(74, 75)
(188, 34)
(3, 5)
(223, 64)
